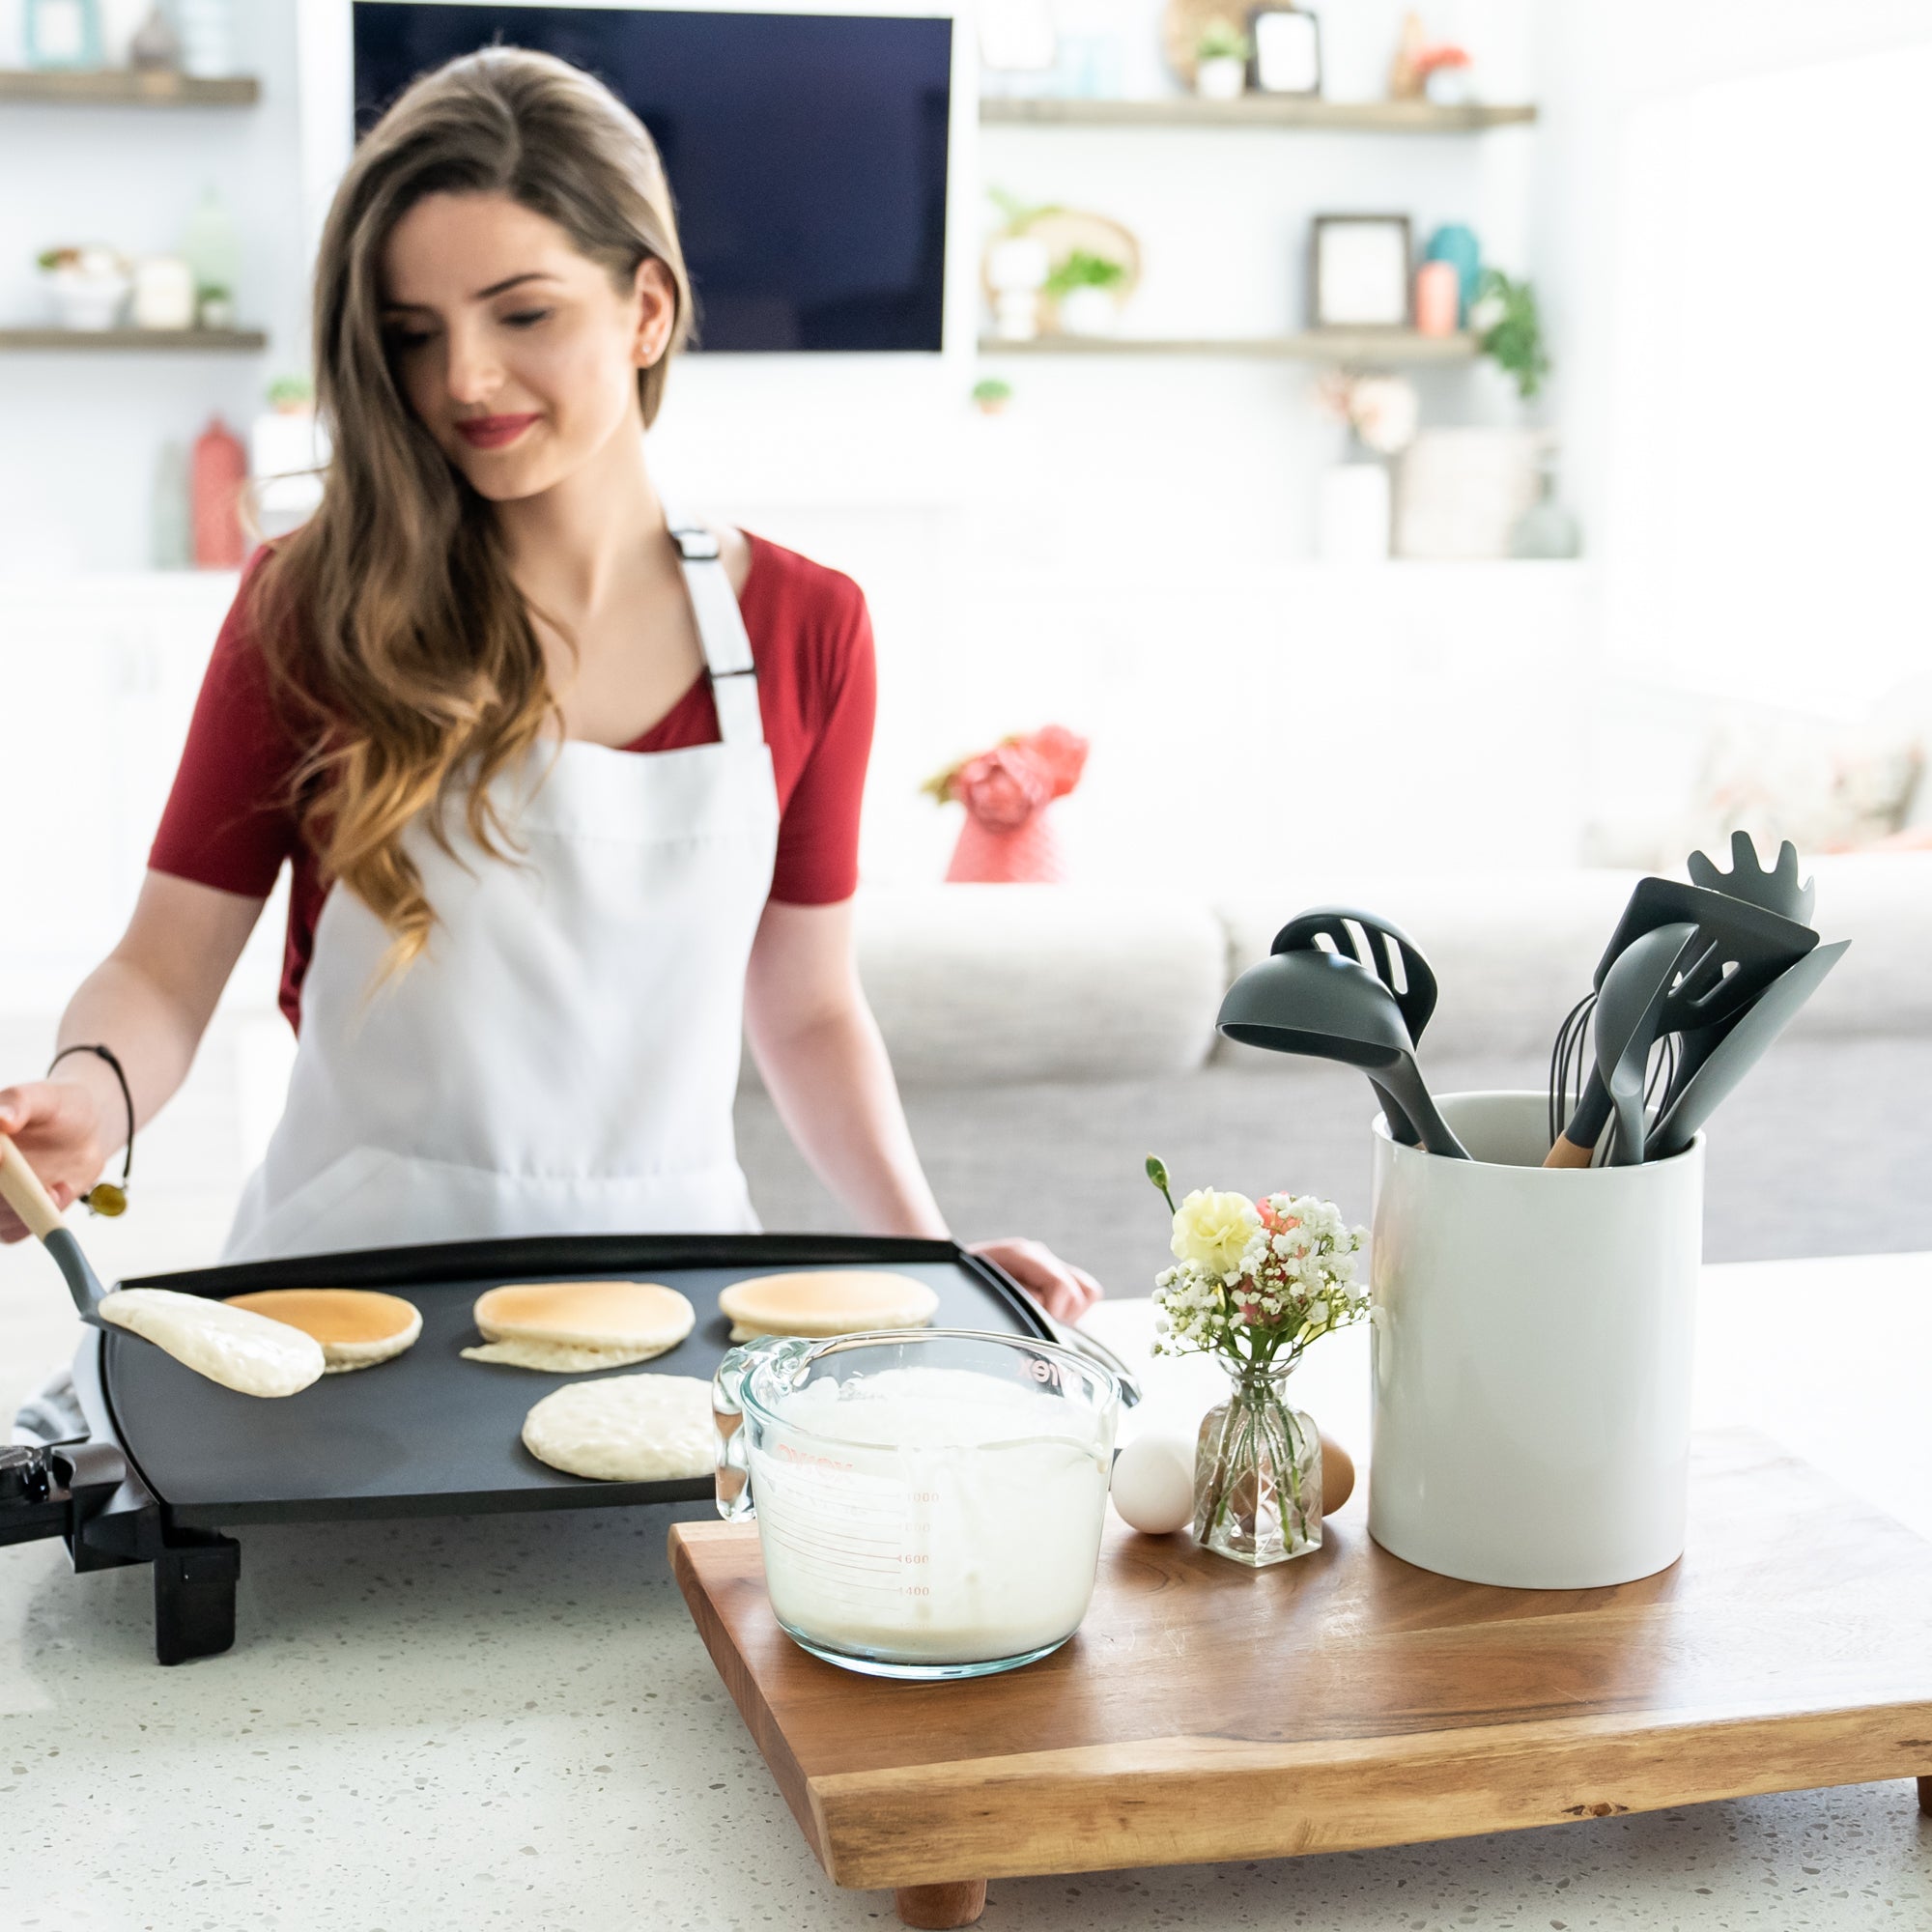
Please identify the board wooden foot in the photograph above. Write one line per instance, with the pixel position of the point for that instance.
(938, 1908)
(1924, 1801)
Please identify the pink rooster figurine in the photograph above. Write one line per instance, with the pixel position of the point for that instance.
(1007, 838)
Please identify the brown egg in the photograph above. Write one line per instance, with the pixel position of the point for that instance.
(1338, 1475)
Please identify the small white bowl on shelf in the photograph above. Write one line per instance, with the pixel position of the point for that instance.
(87, 291)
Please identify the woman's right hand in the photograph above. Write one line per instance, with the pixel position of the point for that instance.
(56, 1125)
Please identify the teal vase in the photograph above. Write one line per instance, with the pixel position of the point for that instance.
(1457, 244)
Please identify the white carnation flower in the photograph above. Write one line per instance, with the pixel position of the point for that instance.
(1214, 1229)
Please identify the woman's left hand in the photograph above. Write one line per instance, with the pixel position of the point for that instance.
(1066, 1292)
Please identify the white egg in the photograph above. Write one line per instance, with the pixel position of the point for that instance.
(1154, 1483)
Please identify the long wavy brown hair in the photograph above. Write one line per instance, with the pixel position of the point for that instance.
(389, 620)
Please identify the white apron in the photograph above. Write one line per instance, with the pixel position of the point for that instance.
(563, 1057)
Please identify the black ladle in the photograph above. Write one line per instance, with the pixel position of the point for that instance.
(1389, 953)
(1324, 1006)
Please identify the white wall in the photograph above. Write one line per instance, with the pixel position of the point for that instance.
(1727, 222)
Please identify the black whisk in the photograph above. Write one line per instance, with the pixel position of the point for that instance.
(1570, 1061)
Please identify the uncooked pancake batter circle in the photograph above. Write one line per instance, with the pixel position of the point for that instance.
(626, 1429)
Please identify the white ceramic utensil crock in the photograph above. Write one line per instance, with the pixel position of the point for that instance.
(1531, 1344)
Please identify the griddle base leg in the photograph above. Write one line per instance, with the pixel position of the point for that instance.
(941, 1907)
(194, 1596)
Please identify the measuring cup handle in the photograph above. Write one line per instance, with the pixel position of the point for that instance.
(733, 1469)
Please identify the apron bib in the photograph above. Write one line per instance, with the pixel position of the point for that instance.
(564, 1057)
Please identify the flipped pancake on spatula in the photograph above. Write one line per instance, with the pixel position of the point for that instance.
(826, 1301)
(567, 1327)
(357, 1327)
(234, 1346)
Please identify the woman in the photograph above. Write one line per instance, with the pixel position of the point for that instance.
(570, 789)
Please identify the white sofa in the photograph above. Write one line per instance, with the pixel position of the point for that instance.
(1000, 986)
(1047, 1038)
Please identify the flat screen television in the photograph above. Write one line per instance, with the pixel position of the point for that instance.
(807, 151)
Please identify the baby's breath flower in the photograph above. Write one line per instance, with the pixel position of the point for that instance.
(1257, 1282)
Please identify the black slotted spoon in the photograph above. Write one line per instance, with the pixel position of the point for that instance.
(1391, 955)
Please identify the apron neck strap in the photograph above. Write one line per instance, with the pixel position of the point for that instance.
(720, 634)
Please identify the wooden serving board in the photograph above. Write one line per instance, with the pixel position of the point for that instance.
(1348, 1699)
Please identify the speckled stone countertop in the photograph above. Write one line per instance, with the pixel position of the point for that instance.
(453, 1726)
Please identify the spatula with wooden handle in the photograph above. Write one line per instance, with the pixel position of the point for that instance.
(1742, 948)
(1629, 1017)
(234, 1346)
(22, 1189)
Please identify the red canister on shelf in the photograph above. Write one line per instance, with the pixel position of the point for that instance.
(220, 470)
(1439, 298)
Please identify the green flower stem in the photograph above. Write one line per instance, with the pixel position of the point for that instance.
(1156, 1172)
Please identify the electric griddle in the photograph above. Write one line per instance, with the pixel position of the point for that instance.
(171, 1459)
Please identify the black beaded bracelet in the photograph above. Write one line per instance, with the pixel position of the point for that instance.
(104, 1197)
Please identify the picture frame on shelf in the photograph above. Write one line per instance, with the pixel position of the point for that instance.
(1359, 272)
(1288, 50)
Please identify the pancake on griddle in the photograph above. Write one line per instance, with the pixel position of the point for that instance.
(567, 1327)
(356, 1326)
(626, 1429)
(826, 1301)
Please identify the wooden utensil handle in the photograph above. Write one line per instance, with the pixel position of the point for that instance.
(1567, 1154)
(21, 1190)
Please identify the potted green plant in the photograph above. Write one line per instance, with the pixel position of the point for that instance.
(1221, 61)
(1085, 290)
(1508, 328)
(991, 395)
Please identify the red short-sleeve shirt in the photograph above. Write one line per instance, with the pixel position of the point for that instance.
(229, 824)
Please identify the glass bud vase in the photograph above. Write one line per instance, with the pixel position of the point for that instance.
(1258, 1473)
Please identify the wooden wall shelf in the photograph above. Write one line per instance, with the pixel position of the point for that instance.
(1311, 345)
(246, 341)
(1255, 111)
(124, 87)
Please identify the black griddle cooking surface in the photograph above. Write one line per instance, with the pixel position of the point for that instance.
(430, 1433)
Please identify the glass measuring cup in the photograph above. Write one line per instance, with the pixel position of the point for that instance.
(929, 1501)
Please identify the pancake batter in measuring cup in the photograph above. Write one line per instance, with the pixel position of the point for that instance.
(931, 1515)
